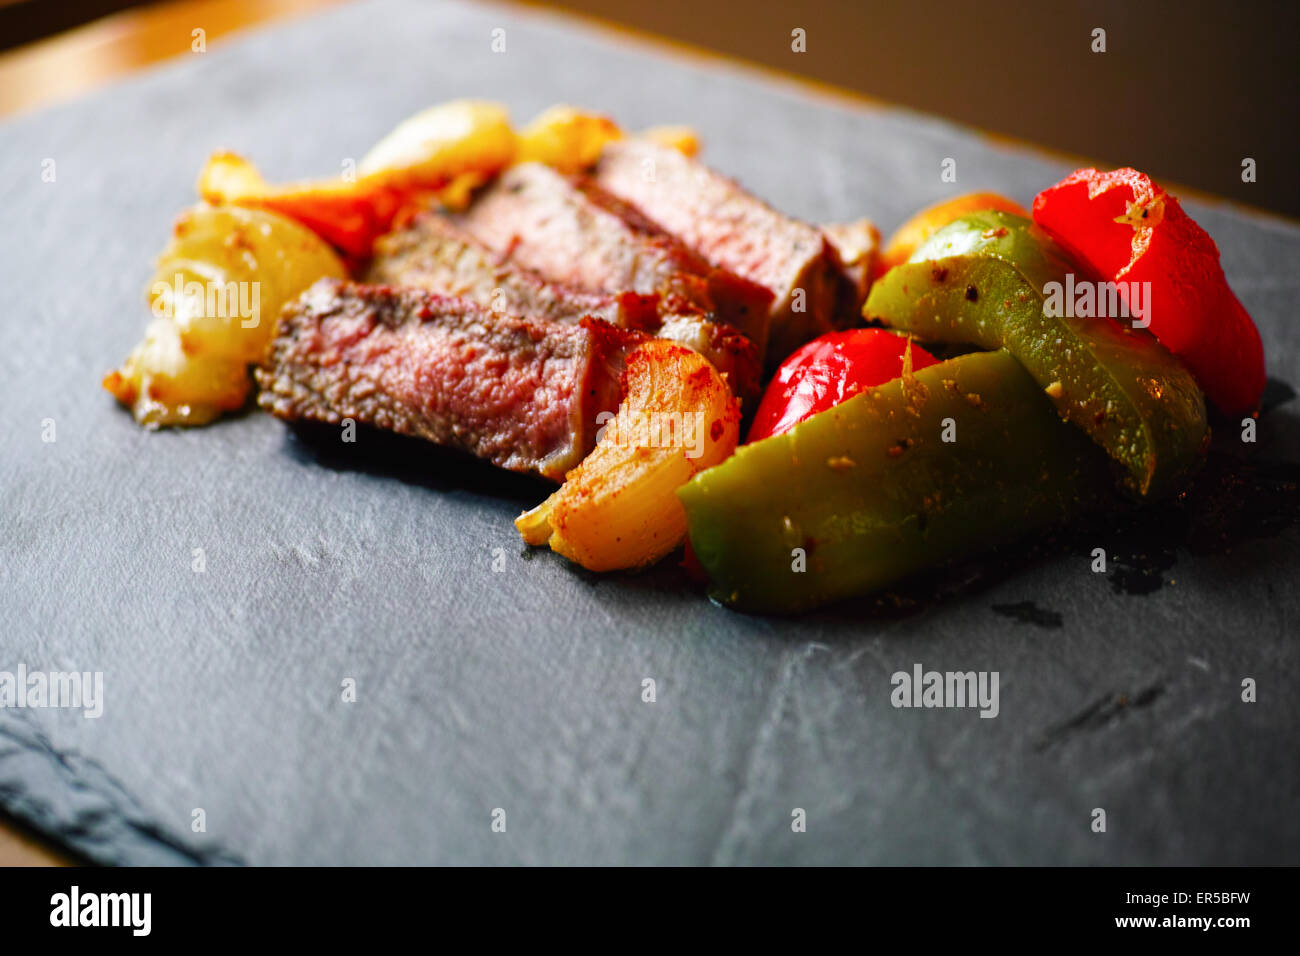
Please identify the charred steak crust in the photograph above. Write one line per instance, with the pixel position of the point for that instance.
(522, 393)
(733, 230)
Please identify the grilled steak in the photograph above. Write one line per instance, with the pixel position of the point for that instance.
(856, 245)
(434, 254)
(522, 393)
(733, 230)
(572, 232)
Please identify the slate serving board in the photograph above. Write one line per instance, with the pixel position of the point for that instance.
(522, 689)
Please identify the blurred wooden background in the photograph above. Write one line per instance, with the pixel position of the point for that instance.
(1186, 89)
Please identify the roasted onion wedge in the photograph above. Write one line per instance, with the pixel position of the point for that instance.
(619, 507)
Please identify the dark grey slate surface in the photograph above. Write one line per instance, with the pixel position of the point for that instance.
(522, 689)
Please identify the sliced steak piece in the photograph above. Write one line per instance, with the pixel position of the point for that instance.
(856, 245)
(521, 393)
(570, 231)
(734, 230)
(434, 254)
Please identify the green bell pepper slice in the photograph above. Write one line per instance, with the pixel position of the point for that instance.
(984, 280)
(950, 461)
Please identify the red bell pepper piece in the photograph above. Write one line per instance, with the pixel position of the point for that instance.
(1130, 230)
(830, 370)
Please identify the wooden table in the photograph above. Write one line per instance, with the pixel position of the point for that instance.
(18, 848)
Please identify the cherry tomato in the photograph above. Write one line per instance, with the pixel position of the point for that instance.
(830, 370)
